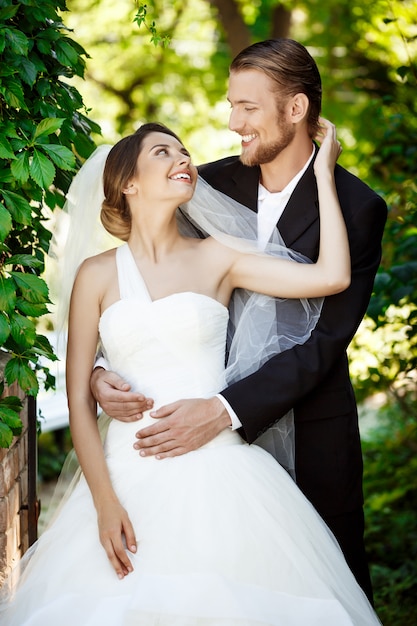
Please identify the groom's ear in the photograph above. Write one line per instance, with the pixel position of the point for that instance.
(298, 107)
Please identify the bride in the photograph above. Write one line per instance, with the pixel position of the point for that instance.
(220, 536)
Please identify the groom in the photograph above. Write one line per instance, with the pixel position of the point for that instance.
(275, 95)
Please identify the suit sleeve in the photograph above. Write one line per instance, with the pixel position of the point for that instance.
(266, 395)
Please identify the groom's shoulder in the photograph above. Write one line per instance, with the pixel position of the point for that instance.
(349, 185)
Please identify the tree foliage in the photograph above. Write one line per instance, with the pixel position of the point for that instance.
(44, 132)
(390, 505)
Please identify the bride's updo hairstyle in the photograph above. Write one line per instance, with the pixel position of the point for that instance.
(120, 167)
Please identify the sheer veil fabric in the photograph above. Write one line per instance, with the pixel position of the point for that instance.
(259, 327)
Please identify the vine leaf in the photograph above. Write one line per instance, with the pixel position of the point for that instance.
(42, 170)
(18, 370)
(33, 288)
(48, 126)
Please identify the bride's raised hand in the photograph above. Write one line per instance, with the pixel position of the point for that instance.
(330, 148)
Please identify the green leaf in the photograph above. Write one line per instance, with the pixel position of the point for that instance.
(7, 294)
(22, 330)
(27, 260)
(12, 419)
(13, 94)
(6, 151)
(6, 435)
(50, 34)
(27, 71)
(19, 144)
(18, 42)
(20, 167)
(42, 170)
(60, 155)
(43, 346)
(5, 222)
(30, 309)
(9, 129)
(48, 126)
(37, 62)
(44, 87)
(11, 402)
(33, 288)
(19, 207)
(8, 12)
(44, 46)
(54, 199)
(8, 70)
(6, 176)
(65, 53)
(18, 370)
(83, 145)
(4, 328)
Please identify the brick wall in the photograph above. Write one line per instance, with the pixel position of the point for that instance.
(18, 505)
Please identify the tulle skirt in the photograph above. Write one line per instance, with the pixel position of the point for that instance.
(225, 538)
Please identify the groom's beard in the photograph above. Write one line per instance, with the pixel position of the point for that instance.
(267, 151)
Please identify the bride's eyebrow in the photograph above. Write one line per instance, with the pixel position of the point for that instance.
(167, 146)
(158, 145)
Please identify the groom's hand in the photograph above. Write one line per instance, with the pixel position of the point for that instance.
(182, 426)
(115, 398)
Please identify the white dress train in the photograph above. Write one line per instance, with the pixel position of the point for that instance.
(225, 538)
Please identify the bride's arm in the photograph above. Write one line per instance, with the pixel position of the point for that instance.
(83, 321)
(331, 273)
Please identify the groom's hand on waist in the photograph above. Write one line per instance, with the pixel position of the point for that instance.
(114, 396)
(182, 426)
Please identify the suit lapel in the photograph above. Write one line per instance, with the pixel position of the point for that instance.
(302, 209)
(244, 185)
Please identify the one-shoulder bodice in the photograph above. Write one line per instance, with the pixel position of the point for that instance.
(168, 348)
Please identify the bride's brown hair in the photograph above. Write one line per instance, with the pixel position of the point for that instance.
(120, 167)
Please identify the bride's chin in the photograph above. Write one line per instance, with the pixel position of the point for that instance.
(187, 194)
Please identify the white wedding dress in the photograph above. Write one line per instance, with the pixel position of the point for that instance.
(225, 538)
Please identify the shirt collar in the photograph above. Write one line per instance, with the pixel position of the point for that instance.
(289, 188)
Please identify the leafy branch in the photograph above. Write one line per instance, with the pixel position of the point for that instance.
(141, 19)
(45, 134)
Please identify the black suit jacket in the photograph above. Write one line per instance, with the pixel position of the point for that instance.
(313, 378)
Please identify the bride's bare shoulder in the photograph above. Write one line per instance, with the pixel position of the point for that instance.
(103, 260)
(99, 266)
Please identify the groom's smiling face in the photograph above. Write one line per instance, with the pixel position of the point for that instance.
(258, 116)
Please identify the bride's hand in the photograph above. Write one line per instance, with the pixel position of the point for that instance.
(330, 148)
(114, 525)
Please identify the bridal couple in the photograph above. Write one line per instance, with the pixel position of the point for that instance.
(194, 526)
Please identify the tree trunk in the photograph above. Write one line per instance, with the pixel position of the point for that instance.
(281, 22)
(236, 32)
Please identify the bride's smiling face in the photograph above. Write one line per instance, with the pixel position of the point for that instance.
(164, 169)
